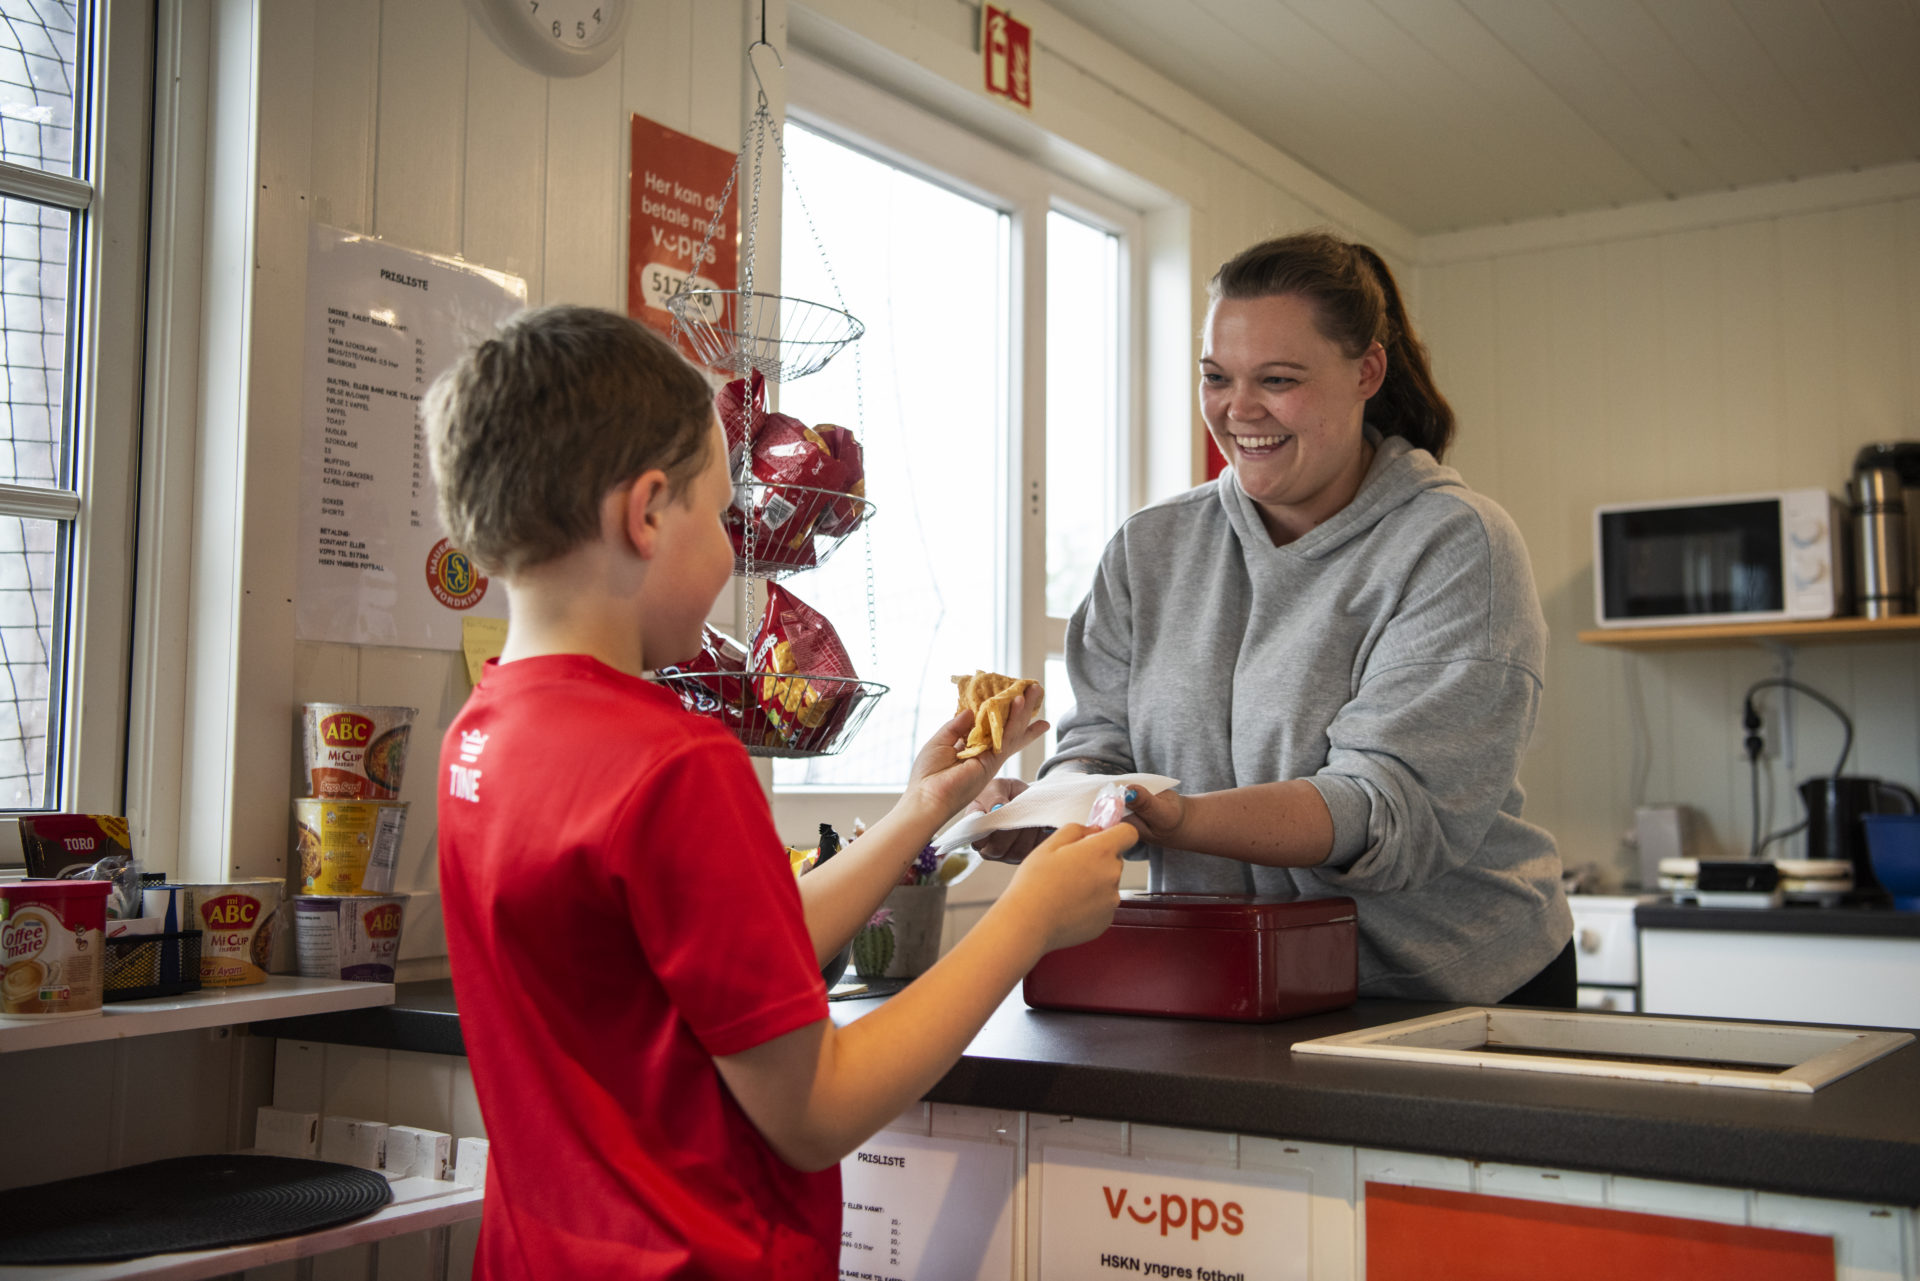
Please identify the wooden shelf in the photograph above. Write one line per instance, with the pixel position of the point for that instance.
(281, 996)
(1825, 631)
(418, 1205)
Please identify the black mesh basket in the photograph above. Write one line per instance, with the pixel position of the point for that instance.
(143, 965)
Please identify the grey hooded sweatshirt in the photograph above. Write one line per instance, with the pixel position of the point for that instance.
(1392, 657)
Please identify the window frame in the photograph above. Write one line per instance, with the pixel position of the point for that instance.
(108, 197)
(872, 120)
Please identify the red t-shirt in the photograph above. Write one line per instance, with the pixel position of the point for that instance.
(619, 911)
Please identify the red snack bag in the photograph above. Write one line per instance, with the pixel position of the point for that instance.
(795, 638)
(742, 406)
(721, 691)
(789, 460)
(840, 515)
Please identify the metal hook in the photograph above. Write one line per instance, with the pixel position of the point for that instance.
(782, 62)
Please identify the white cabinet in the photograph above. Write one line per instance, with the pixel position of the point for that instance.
(1793, 978)
(1606, 951)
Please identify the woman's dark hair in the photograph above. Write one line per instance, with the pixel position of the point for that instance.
(1358, 305)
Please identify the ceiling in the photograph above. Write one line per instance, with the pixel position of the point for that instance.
(1448, 114)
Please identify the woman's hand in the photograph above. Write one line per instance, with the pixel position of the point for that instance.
(1015, 844)
(948, 783)
(1157, 816)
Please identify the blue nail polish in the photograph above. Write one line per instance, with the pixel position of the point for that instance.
(1133, 795)
(996, 805)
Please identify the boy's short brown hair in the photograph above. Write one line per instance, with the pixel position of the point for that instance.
(529, 430)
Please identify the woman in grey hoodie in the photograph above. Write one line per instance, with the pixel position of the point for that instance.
(1336, 647)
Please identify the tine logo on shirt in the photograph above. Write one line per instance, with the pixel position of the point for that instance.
(463, 776)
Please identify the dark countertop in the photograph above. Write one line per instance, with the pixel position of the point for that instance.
(1857, 1139)
(1858, 922)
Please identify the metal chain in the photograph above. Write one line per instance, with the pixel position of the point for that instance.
(859, 386)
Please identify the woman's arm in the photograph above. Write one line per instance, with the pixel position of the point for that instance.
(1284, 824)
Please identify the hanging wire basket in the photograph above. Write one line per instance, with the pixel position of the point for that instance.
(776, 529)
(784, 338)
(790, 714)
(780, 530)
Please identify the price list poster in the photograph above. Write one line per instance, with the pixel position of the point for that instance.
(677, 182)
(382, 322)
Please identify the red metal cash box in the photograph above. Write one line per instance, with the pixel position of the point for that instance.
(1234, 957)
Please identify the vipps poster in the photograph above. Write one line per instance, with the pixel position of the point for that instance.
(678, 182)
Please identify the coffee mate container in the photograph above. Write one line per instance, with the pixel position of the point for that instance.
(52, 945)
(236, 921)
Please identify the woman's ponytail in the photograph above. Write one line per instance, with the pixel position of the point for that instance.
(1358, 305)
(1407, 404)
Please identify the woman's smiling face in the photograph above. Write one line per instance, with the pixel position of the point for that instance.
(1284, 405)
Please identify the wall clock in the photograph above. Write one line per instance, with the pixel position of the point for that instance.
(555, 37)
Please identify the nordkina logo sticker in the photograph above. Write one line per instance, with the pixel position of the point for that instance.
(452, 578)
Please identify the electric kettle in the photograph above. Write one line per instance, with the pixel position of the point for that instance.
(1835, 809)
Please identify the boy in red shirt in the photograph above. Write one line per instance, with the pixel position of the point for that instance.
(638, 971)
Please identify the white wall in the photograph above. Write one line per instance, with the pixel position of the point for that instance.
(1715, 345)
(403, 119)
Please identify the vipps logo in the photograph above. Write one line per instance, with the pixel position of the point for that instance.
(452, 578)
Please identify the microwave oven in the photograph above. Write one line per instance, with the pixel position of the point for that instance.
(1742, 558)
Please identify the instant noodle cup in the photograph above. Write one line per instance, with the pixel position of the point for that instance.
(52, 948)
(353, 752)
(236, 922)
(348, 936)
(347, 847)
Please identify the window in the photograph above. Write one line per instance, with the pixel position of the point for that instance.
(995, 415)
(66, 428)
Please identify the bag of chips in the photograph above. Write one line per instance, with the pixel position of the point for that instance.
(801, 471)
(719, 687)
(843, 515)
(805, 685)
(742, 406)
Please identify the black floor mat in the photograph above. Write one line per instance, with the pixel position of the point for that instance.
(185, 1203)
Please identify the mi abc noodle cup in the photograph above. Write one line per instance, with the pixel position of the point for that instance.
(235, 920)
(347, 847)
(355, 753)
(52, 947)
(348, 936)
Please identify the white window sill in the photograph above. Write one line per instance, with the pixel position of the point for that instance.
(281, 996)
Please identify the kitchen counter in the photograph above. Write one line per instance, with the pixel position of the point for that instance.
(1858, 1139)
(1857, 922)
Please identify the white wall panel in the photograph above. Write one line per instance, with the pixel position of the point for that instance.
(1731, 355)
(346, 51)
(587, 137)
(503, 206)
(419, 153)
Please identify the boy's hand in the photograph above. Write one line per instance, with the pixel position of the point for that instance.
(948, 783)
(1071, 883)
